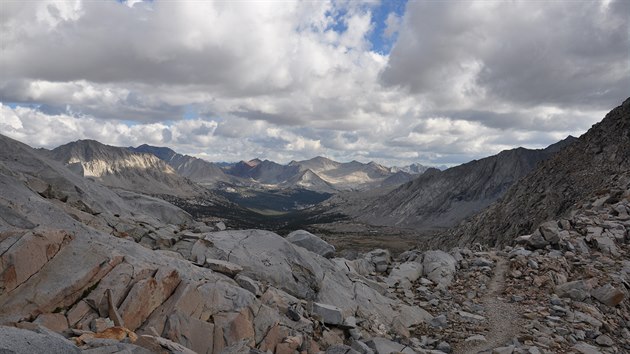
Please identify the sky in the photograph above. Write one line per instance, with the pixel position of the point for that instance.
(396, 82)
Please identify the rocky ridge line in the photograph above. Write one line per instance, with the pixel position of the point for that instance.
(598, 163)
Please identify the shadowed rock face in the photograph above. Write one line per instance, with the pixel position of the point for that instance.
(438, 199)
(121, 168)
(195, 169)
(598, 162)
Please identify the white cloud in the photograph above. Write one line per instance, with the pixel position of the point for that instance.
(275, 80)
(393, 23)
(468, 54)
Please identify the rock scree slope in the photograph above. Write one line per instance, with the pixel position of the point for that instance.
(440, 199)
(597, 163)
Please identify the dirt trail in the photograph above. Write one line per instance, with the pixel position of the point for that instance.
(504, 321)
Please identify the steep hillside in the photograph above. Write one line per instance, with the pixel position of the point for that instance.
(317, 164)
(597, 163)
(311, 181)
(121, 168)
(398, 178)
(197, 170)
(56, 184)
(242, 168)
(438, 199)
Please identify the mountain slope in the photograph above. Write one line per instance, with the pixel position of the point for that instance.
(318, 174)
(414, 168)
(198, 170)
(58, 185)
(121, 168)
(265, 172)
(598, 162)
(438, 199)
(398, 178)
(346, 176)
(317, 164)
(312, 181)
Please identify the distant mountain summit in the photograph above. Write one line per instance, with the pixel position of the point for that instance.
(312, 181)
(346, 176)
(319, 174)
(196, 169)
(317, 164)
(439, 199)
(598, 163)
(122, 168)
(414, 168)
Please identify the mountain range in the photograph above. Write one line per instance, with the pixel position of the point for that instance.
(318, 174)
(161, 170)
(440, 199)
(370, 193)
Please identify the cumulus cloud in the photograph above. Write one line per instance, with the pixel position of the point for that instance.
(392, 23)
(39, 129)
(470, 53)
(237, 80)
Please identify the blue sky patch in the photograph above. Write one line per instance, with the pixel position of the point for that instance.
(190, 112)
(380, 43)
(13, 105)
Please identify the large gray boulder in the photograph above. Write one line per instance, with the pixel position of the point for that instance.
(550, 232)
(311, 242)
(380, 258)
(158, 208)
(329, 314)
(21, 341)
(608, 295)
(404, 274)
(577, 290)
(266, 256)
(439, 267)
(386, 346)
